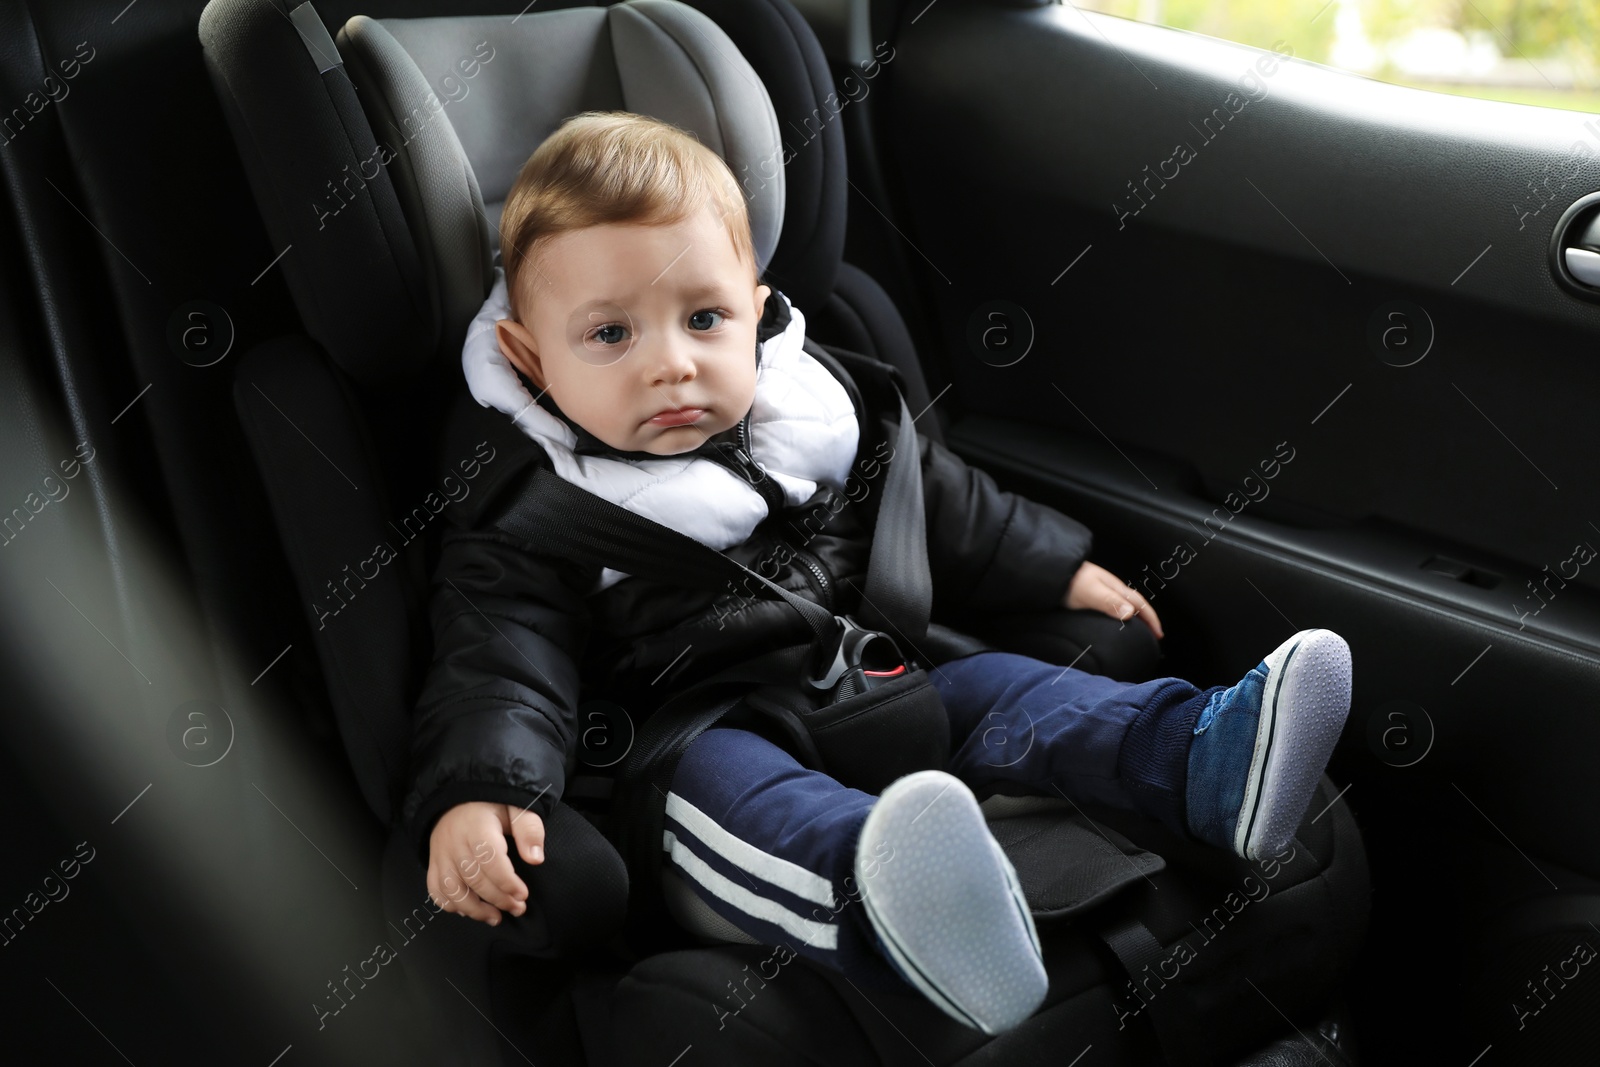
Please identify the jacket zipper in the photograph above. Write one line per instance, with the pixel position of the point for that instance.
(759, 480)
(815, 571)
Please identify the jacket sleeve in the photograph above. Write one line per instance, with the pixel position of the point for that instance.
(496, 717)
(990, 550)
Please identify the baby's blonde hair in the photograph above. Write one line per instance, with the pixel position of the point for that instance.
(603, 167)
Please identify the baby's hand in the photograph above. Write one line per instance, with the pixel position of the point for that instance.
(1095, 587)
(469, 870)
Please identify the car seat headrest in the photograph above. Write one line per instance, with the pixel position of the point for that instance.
(408, 134)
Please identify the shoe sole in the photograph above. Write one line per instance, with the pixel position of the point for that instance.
(1292, 750)
(962, 937)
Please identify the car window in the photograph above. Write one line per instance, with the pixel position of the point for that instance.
(1545, 52)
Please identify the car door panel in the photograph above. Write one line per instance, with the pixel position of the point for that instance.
(1348, 273)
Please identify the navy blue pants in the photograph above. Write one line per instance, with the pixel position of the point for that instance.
(770, 845)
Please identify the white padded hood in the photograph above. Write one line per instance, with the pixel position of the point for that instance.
(803, 431)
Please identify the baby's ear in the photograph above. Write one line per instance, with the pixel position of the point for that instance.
(517, 345)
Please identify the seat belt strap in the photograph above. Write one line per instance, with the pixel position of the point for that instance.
(899, 586)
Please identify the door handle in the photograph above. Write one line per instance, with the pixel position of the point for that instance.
(1575, 248)
(1584, 265)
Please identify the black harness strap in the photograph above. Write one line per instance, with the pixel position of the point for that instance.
(1141, 955)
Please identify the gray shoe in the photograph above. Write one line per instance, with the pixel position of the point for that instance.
(946, 905)
(1260, 747)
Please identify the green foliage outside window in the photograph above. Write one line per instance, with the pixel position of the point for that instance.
(1541, 52)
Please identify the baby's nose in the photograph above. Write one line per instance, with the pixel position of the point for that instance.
(672, 367)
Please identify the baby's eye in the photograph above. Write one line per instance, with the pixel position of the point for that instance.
(698, 321)
(611, 333)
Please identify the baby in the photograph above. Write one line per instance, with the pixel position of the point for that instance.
(666, 372)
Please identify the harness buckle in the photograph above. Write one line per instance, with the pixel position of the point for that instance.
(857, 659)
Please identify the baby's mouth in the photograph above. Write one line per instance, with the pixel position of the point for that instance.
(677, 417)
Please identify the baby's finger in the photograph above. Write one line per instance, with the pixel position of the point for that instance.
(447, 901)
(481, 870)
(467, 902)
(1129, 602)
(1114, 601)
(528, 830)
(1148, 613)
(1142, 608)
(503, 878)
(475, 908)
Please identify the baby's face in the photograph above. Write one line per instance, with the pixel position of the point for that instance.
(644, 335)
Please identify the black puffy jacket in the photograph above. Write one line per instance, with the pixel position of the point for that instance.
(519, 642)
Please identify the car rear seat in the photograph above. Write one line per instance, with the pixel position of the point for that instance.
(125, 220)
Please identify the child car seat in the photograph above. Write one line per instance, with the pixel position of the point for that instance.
(379, 163)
